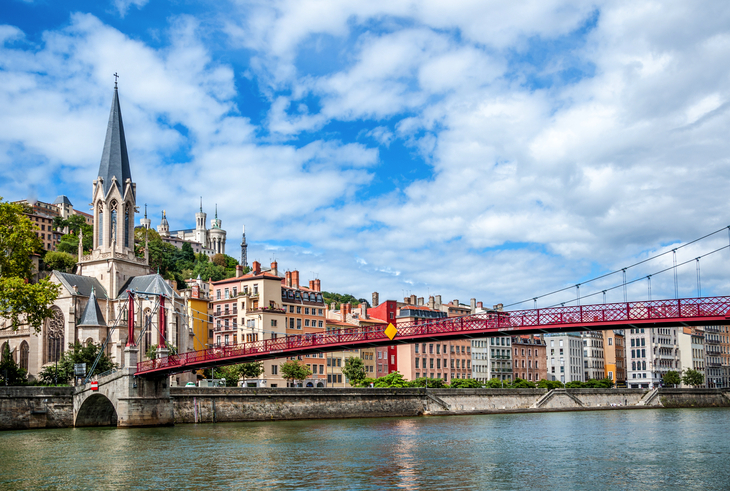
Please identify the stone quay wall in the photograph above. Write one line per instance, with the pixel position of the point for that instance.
(694, 397)
(24, 408)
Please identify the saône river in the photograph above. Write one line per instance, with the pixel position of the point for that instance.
(619, 449)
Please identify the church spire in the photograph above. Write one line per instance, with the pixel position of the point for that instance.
(201, 204)
(114, 159)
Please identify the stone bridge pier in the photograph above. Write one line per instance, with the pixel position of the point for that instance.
(124, 400)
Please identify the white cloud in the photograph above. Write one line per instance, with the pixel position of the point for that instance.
(123, 5)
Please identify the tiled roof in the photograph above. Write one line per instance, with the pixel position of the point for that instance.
(62, 200)
(92, 313)
(83, 283)
(151, 283)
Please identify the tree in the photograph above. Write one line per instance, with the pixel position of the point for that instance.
(575, 384)
(496, 383)
(10, 372)
(354, 370)
(209, 271)
(77, 353)
(21, 302)
(251, 370)
(693, 378)
(465, 383)
(672, 378)
(59, 261)
(393, 379)
(293, 370)
(523, 384)
(550, 384)
(604, 383)
(220, 260)
(151, 352)
(339, 299)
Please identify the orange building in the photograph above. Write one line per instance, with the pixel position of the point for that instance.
(614, 353)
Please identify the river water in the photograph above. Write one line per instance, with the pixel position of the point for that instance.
(619, 449)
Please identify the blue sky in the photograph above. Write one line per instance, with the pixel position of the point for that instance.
(478, 149)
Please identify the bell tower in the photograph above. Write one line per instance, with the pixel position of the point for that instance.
(114, 200)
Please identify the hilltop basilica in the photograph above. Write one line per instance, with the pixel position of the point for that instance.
(91, 304)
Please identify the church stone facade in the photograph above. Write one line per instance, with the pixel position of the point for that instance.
(91, 306)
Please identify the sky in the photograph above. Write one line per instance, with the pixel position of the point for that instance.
(472, 149)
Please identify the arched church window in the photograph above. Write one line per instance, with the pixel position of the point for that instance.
(5, 352)
(126, 225)
(100, 224)
(54, 337)
(24, 355)
(113, 222)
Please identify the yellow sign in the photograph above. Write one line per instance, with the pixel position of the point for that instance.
(391, 331)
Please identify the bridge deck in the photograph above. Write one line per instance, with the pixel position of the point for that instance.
(648, 314)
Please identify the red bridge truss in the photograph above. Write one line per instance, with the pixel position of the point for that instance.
(655, 313)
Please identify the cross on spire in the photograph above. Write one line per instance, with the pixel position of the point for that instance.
(116, 76)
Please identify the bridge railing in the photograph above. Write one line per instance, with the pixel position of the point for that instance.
(570, 316)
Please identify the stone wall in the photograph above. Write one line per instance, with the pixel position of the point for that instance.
(484, 400)
(694, 397)
(35, 407)
(205, 405)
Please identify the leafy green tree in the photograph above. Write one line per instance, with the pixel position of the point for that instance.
(354, 370)
(693, 378)
(466, 383)
(77, 353)
(523, 384)
(209, 271)
(550, 384)
(10, 372)
(339, 299)
(393, 379)
(219, 260)
(496, 383)
(151, 352)
(604, 383)
(292, 370)
(672, 378)
(576, 384)
(74, 224)
(59, 261)
(21, 302)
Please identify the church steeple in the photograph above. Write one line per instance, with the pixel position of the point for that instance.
(114, 159)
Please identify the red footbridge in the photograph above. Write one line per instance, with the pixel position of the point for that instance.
(646, 314)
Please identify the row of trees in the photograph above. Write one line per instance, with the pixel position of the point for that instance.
(339, 299)
(691, 378)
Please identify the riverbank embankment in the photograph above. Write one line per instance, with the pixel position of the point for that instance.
(52, 407)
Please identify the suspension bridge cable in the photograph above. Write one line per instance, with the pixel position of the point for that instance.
(643, 277)
(622, 269)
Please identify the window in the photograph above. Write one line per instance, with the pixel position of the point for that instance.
(274, 369)
(299, 310)
(291, 323)
(256, 289)
(610, 343)
(273, 322)
(291, 309)
(218, 294)
(226, 294)
(438, 350)
(416, 350)
(306, 322)
(430, 362)
(417, 360)
(321, 324)
(299, 323)
(235, 291)
(320, 312)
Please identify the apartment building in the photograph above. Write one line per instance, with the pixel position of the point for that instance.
(614, 352)
(692, 349)
(593, 355)
(565, 357)
(42, 216)
(651, 353)
(716, 356)
(529, 358)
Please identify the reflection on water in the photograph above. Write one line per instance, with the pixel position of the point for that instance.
(649, 449)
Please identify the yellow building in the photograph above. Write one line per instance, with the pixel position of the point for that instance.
(197, 304)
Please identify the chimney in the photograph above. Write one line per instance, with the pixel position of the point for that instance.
(239, 270)
(332, 306)
(311, 285)
(364, 310)
(256, 267)
(455, 302)
(295, 279)
(287, 279)
(275, 268)
(431, 302)
(420, 300)
(376, 299)
(317, 285)
(480, 305)
(413, 300)
(195, 293)
(406, 300)
(473, 303)
(498, 307)
(438, 301)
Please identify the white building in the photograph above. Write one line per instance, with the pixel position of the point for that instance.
(692, 349)
(651, 353)
(207, 241)
(593, 357)
(565, 357)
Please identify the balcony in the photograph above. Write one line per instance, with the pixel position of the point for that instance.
(712, 341)
(268, 310)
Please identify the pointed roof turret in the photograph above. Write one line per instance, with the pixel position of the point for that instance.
(114, 159)
(92, 313)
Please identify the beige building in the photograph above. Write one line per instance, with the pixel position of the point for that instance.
(691, 342)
